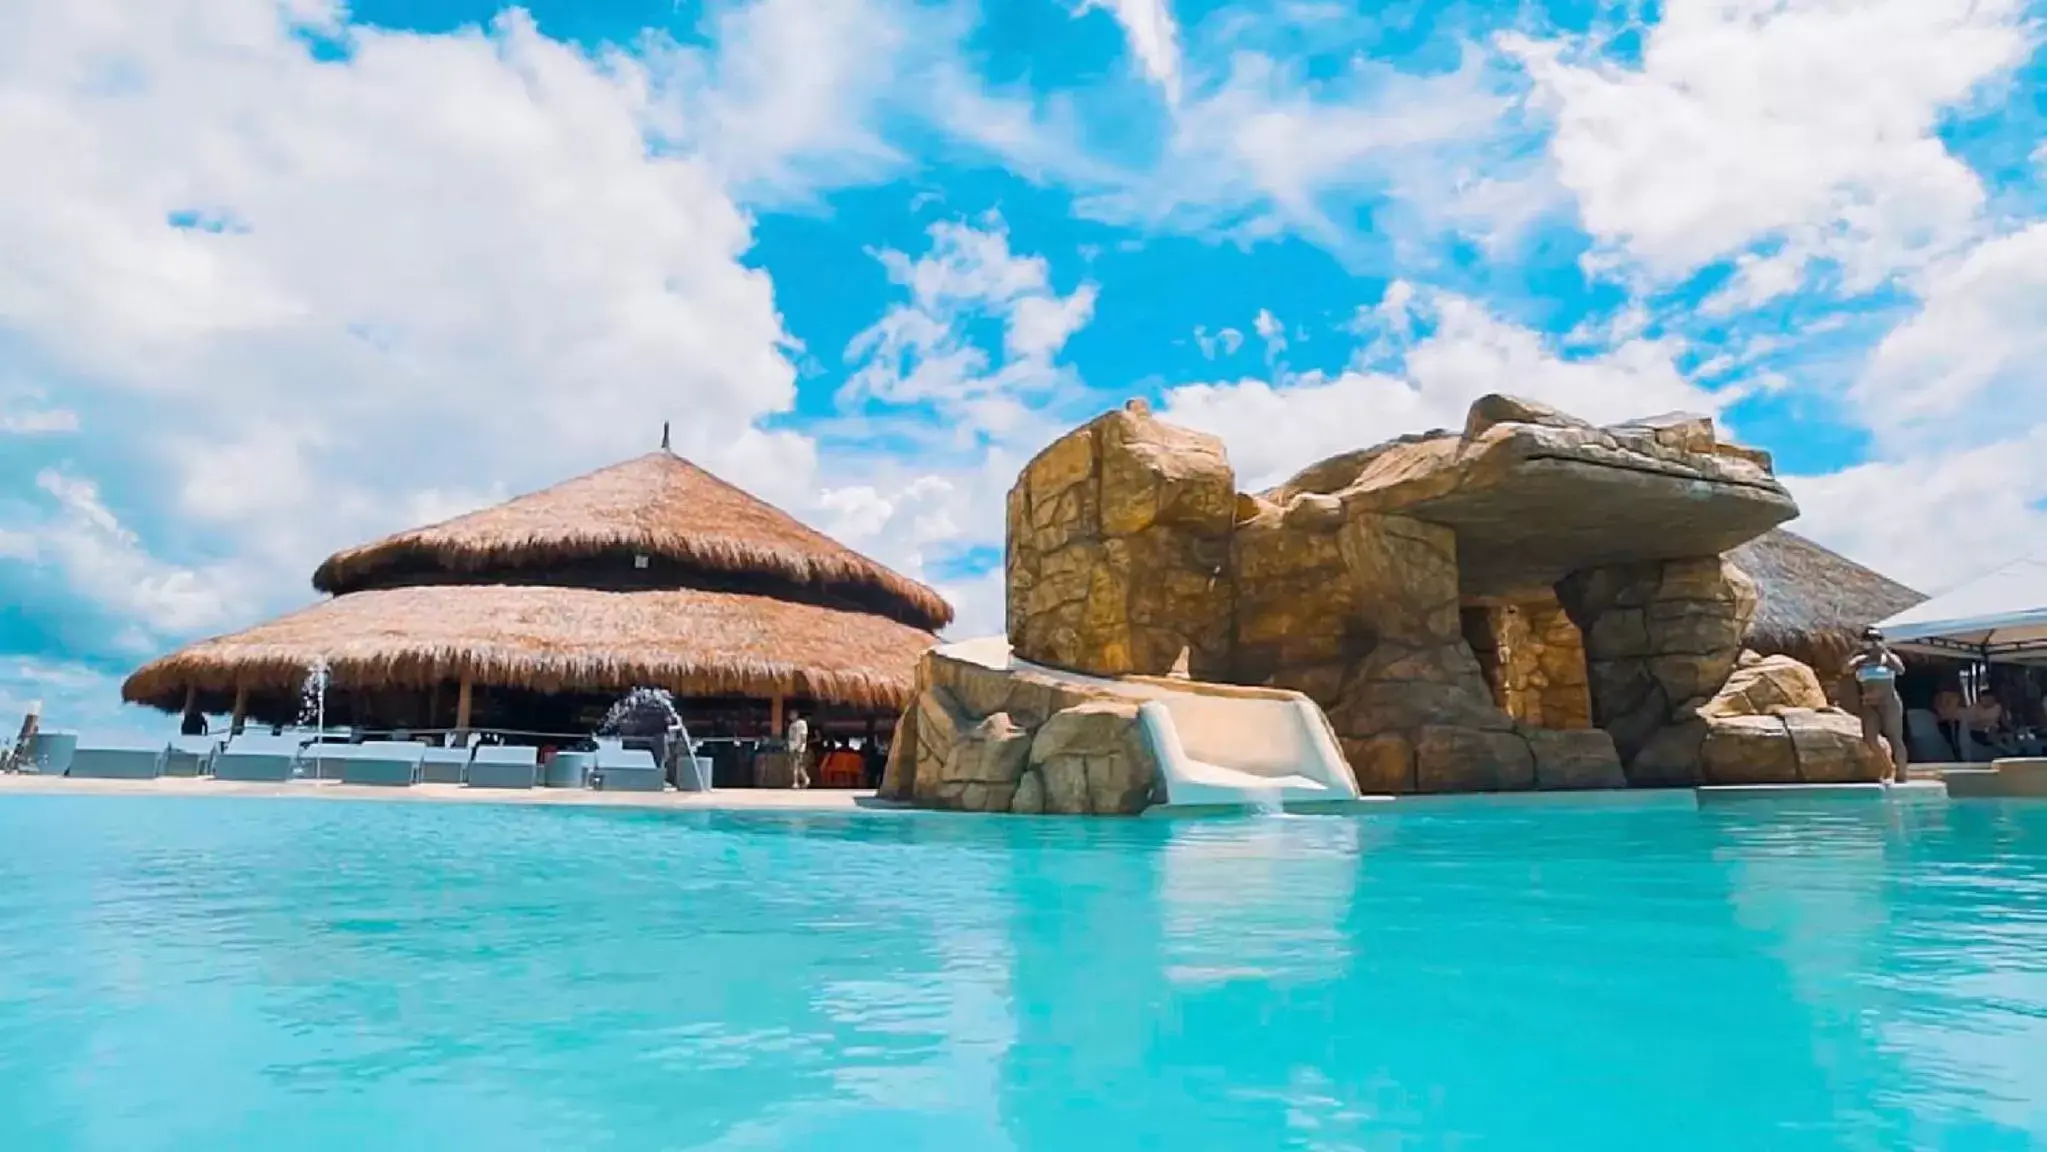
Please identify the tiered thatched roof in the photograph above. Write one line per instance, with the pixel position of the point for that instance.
(658, 505)
(651, 572)
(550, 639)
(1815, 603)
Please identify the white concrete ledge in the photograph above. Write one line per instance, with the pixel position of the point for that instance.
(731, 799)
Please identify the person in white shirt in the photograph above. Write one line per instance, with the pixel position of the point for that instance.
(1876, 670)
(797, 737)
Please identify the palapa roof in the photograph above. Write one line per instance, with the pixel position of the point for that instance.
(546, 639)
(1814, 602)
(659, 505)
(527, 595)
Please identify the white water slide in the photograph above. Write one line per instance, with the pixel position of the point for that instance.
(1216, 745)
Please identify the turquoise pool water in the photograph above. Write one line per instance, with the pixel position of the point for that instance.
(291, 974)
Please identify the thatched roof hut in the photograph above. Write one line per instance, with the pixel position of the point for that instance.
(651, 572)
(1814, 602)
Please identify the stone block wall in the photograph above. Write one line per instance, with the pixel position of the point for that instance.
(1361, 612)
(981, 739)
(1118, 550)
(1661, 639)
(1542, 665)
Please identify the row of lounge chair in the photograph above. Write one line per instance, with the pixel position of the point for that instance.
(267, 757)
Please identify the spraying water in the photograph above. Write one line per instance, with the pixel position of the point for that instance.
(642, 712)
(313, 697)
(649, 714)
(313, 702)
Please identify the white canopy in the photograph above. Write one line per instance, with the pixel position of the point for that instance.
(1999, 616)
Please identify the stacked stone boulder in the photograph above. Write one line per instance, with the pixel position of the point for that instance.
(1118, 550)
(1586, 563)
(986, 739)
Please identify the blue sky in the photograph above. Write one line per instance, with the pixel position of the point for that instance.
(284, 276)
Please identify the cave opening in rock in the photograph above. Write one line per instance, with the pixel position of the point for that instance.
(1533, 659)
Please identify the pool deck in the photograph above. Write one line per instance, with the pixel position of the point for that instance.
(1922, 791)
(723, 800)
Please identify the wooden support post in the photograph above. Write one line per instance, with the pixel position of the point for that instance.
(775, 717)
(462, 700)
(241, 709)
(191, 701)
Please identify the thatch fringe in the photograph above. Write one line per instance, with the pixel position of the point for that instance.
(1814, 602)
(545, 639)
(658, 505)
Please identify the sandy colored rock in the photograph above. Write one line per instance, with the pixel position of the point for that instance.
(1748, 750)
(899, 771)
(993, 751)
(1466, 760)
(1670, 757)
(1534, 495)
(1828, 745)
(1766, 686)
(940, 720)
(1488, 412)
(1119, 549)
(1579, 758)
(1539, 673)
(1382, 765)
(1660, 640)
(1030, 795)
(1093, 759)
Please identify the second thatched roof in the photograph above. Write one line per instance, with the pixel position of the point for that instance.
(691, 641)
(1814, 602)
(658, 505)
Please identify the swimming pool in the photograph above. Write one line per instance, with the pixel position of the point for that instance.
(214, 973)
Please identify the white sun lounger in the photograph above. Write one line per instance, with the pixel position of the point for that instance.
(190, 755)
(118, 762)
(504, 766)
(258, 756)
(444, 765)
(626, 770)
(385, 763)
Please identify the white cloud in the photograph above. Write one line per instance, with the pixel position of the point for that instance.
(1271, 331)
(1809, 122)
(38, 421)
(454, 265)
(1275, 428)
(1937, 519)
(1039, 326)
(1223, 342)
(1258, 148)
(1967, 367)
(919, 352)
(789, 101)
(1954, 398)
(101, 560)
(1154, 38)
(1267, 151)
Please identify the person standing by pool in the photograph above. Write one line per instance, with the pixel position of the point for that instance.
(797, 737)
(1876, 670)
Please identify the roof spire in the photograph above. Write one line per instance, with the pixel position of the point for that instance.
(664, 437)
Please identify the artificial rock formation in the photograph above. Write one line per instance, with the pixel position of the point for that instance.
(1770, 723)
(982, 739)
(1118, 543)
(1529, 602)
(1660, 639)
